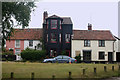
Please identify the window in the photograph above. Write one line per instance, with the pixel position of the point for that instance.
(17, 43)
(47, 24)
(86, 43)
(59, 57)
(47, 37)
(60, 37)
(53, 24)
(53, 37)
(17, 51)
(66, 57)
(53, 53)
(60, 25)
(101, 43)
(101, 55)
(67, 38)
(31, 43)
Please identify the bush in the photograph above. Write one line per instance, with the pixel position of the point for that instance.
(34, 55)
(78, 58)
(3, 59)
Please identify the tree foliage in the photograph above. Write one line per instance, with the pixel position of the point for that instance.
(14, 14)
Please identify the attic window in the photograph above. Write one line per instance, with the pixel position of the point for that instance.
(53, 24)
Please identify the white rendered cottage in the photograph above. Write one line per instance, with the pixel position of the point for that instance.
(94, 45)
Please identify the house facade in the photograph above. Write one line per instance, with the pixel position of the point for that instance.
(58, 36)
(94, 45)
(57, 33)
(23, 38)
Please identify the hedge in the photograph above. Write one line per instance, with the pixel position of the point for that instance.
(31, 54)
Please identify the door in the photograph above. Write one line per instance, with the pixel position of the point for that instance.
(118, 56)
(86, 56)
(110, 57)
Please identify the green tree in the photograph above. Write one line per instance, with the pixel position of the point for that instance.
(14, 14)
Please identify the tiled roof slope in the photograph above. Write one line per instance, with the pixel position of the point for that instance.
(27, 34)
(92, 35)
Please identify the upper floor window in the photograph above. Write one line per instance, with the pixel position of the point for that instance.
(101, 43)
(53, 37)
(101, 55)
(53, 24)
(60, 37)
(60, 25)
(86, 43)
(17, 43)
(31, 43)
(67, 38)
(47, 37)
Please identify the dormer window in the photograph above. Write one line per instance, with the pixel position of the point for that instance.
(53, 24)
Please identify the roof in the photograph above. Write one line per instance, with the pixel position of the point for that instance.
(92, 35)
(53, 16)
(27, 34)
(117, 37)
(66, 20)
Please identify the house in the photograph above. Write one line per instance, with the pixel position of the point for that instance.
(57, 33)
(23, 38)
(58, 36)
(93, 45)
(117, 47)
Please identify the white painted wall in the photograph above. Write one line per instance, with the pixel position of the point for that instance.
(119, 46)
(78, 45)
(35, 42)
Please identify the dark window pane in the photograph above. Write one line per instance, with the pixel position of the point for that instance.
(30, 43)
(101, 55)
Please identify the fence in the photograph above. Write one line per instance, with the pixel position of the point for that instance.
(12, 74)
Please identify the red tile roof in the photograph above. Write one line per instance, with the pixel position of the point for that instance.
(27, 34)
(92, 35)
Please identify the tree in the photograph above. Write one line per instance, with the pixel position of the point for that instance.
(15, 13)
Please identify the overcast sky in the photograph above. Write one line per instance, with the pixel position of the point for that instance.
(102, 15)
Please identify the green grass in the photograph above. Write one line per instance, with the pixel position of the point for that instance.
(46, 70)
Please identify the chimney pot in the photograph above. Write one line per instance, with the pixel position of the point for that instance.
(45, 15)
(89, 26)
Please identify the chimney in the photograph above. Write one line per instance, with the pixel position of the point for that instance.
(45, 15)
(89, 26)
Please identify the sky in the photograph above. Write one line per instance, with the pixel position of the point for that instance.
(102, 15)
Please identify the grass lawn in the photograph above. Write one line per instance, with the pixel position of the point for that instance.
(61, 70)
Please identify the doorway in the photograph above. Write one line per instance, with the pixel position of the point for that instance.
(110, 57)
(118, 56)
(87, 56)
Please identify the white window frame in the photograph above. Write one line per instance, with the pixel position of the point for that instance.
(60, 37)
(67, 38)
(17, 51)
(16, 44)
(29, 43)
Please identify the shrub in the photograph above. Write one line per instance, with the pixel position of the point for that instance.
(34, 55)
(78, 58)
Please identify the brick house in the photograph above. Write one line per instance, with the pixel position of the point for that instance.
(23, 38)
